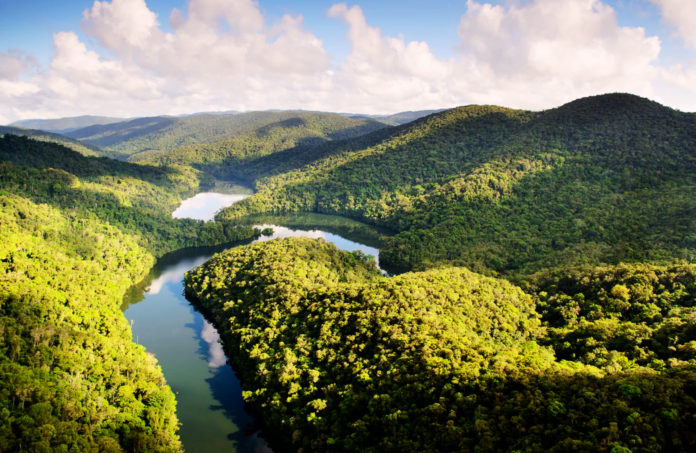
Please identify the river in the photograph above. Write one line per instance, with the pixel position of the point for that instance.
(187, 347)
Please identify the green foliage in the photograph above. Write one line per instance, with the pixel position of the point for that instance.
(77, 233)
(602, 179)
(289, 131)
(335, 357)
(621, 316)
(138, 199)
(71, 377)
(83, 148)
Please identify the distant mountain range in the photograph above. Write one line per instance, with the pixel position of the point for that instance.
(230, 134)
(69, 124)
(63, 125)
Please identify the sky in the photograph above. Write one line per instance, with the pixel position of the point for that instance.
(130, 58)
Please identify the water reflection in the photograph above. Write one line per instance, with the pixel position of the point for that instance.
(188, 348)
(204, 205)
(216, 356)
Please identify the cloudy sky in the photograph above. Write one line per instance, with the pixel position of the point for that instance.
(132, 58)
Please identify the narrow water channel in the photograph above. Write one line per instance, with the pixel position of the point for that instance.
(187, 347)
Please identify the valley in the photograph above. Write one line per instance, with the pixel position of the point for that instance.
(479, 279)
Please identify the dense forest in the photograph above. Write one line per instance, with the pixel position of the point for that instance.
(552, 307)
(603, 179)
(77, 233)
(335, 357)
(289, 130)
(155, 137)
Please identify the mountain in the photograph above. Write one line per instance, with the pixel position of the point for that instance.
(163, 134)
(277, 132)
(602, 179)
(83, 148)
(63, 125)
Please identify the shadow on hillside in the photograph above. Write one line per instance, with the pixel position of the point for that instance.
(108, 135)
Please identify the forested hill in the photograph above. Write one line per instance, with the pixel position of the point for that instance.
(338, 358)
(602, 179)
(63, 125)
(83, 148)
(77, 232)
(288, 131)
(160, 135)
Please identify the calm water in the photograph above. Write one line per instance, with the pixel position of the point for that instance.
(188, 348)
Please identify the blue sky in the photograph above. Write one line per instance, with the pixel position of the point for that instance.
(30, 26)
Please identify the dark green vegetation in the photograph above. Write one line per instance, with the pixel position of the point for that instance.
(588, 346)
(77, 232)
(229, 136)
(603, 179)
(83, 148)
(63, 125)
(336, 357)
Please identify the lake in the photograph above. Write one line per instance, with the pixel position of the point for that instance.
(187, 347)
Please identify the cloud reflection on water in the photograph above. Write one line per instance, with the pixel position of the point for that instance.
(203, 206)
(216, 356)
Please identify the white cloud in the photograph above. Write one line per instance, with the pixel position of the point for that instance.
(222, 54)
(551, 51)
(682, 15)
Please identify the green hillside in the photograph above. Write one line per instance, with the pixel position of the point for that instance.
(64, 125)
(603, 179)
(83, 148)
(159, 135)
(77, 232)
(335, 357)
(289, 130)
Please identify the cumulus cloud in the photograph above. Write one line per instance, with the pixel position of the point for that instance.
(549, 51)
(224, 54)
(680, 14)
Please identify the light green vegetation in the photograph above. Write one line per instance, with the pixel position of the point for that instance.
(77, 232)
(335, 357)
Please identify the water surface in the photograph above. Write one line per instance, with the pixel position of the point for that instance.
(210, 405)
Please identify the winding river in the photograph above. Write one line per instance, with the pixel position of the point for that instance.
(187, 347)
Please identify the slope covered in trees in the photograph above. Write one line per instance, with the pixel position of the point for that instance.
(289, 130)
(336, 357)
(77, 233)
(83, 148)
(159, 135)
(603, 179)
